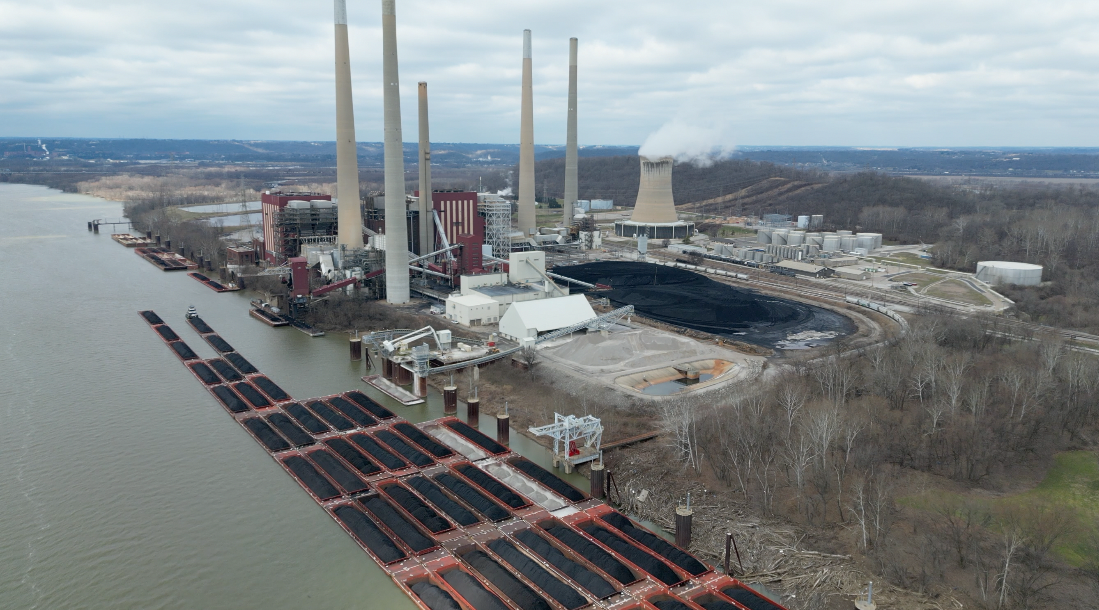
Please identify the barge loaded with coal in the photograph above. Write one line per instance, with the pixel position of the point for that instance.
(458, 520)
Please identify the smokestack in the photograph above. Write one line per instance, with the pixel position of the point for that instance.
(396, 231)
(347, 162)
(526, 145)
(572, 187)
(654, 194)
(427, 234)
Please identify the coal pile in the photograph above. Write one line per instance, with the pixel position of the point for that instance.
(748, 599)
(312, 479)
(473, 591)
(477, 436)
(398, 524)
(228, 373)
(151, 317)
(352, 412)
(471, 496)
(205, 373)
(184, 351)
(597, 556)
(353, 456)
(407, 451)
(200, 326)
(369, 534)
(271, 388)
(435, 597)
(670, 604)
(166, 332)
(492, 486)
(376, 451)
(290, 430)
(329, 415)
(437, 497)
(252, 395)
(660, 546)
(306, 418)
(550, 584)
(230, 399)
(370, 405)
(240, 363)
(424, 440)
(519, 593)
(717, 604)
(266, 434)
(658, 569)
(334, 468)
(594, 583)
(419, 511)
(219, 344)
(691, 300)
(547, 478)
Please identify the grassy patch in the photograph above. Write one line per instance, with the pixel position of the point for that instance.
(921, 279)
(1072, 484)
(734, 231)
(958, 291)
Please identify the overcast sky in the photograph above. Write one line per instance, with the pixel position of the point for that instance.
(697, 72)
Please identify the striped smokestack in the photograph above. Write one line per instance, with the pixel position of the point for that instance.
(572, 187)
(347, 162)
(526, 145)
(396, 231)
(427, 239)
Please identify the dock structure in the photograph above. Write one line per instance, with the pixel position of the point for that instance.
(455, 518)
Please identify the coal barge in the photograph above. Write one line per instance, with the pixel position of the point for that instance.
(458, 520)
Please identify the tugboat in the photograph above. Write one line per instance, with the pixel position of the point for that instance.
(192, 313)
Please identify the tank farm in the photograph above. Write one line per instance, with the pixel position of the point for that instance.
(458, 520)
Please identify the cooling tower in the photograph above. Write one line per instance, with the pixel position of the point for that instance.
(572, 187)
(396, 232)
(526, 144)
(347, 162)
(426, 221)
(654, 194)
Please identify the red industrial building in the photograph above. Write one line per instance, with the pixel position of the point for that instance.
(272, 203)
(462, 224)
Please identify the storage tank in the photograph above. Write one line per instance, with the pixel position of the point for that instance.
(864, 241)
(843, 233)
(831, 243)
(778, 238)
(1006, 272)
(803, 222)
(814, 239)
(763, 236)
(796, 238)
(847, 243)
(817, 221)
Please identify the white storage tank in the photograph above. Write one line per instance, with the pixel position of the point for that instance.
(831, 243)
(763, 236)
(817, 221)
(803, 222)
(847, 243)
(843, 233)
(866, 242)
(779, 238)
(1005, 272)
(796, 238)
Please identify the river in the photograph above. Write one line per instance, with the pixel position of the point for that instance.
(124, 484)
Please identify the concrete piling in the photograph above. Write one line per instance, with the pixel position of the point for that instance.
(503, 428)
(148, 234)
(157, 238)
(450, 400)
(683, 517)
(356, 348)
(95, 227)
(89, 225)
(387, 369)
(473, 411)
(597, 480)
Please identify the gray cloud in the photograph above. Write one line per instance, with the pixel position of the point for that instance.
(929, 72)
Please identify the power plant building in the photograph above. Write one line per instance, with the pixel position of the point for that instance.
(310, 215)
(654, 214)
(528, 320)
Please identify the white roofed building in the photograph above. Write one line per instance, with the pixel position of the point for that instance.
(472, 309)
(529, 319)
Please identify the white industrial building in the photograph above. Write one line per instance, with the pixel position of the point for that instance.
(1005, 272)
(486, 297)
(531, 318)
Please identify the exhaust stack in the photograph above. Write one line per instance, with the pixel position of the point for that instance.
(347, 162)
(396, 231)
(526, 144)
(427, 234)
(572, 187)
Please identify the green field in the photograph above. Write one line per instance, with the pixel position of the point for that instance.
(958, 291)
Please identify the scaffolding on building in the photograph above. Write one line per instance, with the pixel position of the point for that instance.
(297, 225)
(498, 227)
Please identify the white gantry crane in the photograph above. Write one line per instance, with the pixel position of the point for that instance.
(575, 439)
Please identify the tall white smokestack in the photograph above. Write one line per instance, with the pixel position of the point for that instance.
(526, 144)
(654, 193)
(572, 186)
(427, 239)
(396, 231)
(347, 162)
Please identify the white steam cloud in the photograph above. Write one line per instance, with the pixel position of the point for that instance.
(690, 142)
